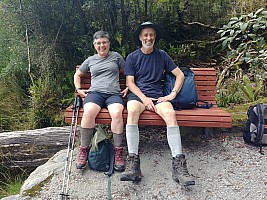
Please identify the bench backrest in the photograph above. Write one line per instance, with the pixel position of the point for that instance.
(205, 80)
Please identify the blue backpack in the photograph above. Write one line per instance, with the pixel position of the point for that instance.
(101, 154)
(187, 98)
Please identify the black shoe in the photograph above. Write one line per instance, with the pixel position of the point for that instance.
(133, 171)
(180, 173)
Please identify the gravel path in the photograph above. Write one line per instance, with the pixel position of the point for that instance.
(223, 166)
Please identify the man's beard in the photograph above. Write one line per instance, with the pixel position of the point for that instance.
(146, 46)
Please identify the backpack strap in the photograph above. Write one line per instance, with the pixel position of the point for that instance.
(206, 104)
(111, 159)
(111, 167)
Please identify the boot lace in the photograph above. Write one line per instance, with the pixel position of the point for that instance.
(180, 166)
(83, 155)
(118, 155)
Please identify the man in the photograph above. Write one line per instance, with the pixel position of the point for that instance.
(144, 68)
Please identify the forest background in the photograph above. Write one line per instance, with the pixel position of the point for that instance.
(42, 42)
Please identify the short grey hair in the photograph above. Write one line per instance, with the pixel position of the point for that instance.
(100, 34)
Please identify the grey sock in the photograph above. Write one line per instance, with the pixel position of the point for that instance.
(117, 138)
(174, 140)
(132, 136)
(86, 136)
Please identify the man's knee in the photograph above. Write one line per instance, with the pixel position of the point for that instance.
(171, 118)
(171, 113)
(133, 114)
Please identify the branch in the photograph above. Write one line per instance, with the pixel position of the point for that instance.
(222, 75)
(202, 25)
(55, 40)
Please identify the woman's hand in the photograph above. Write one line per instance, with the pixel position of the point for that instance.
(82, 93)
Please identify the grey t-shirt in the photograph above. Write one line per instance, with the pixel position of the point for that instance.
(105, 72)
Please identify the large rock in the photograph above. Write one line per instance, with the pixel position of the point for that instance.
(43, 172)
(32, 148)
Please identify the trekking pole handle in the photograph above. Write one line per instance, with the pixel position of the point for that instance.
(74, 104)
(79, 101)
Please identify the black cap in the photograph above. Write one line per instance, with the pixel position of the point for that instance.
(146, 25)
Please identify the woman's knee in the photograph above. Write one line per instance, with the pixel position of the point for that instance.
(116, 114)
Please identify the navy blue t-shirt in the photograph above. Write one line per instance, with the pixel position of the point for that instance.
(148, 69)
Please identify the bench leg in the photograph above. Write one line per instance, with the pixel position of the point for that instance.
(208, 132)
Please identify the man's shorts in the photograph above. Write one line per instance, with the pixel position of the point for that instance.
(132, 96)
(102, 99)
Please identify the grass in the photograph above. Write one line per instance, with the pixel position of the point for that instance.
(239, 112)
(11, 188)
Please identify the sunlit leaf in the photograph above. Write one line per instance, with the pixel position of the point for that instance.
(243, 26)
(258, 11)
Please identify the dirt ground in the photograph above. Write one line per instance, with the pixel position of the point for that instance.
(222, 165)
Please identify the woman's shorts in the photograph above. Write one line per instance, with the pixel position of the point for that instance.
(102, 99)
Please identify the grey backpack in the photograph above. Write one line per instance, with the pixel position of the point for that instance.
(255, 131)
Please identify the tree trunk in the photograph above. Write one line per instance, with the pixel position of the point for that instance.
(31, 148)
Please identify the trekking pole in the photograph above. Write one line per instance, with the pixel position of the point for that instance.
(67, 169)
(111, 168)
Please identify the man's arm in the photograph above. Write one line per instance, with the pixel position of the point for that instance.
(179, 80)
(177, 85)
(134, 89)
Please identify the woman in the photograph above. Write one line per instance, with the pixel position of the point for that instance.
(104, 92)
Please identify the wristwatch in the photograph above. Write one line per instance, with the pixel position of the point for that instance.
(174, 90)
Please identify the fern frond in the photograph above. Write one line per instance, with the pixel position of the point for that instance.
(245, 92)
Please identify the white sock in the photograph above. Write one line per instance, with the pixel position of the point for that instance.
(174, 140)
(132, 136)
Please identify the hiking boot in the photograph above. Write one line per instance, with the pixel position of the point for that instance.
(119, 164)
(180, 173)
(133, 171)
(82, 157)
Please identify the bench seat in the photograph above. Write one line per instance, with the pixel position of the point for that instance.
(205, 79)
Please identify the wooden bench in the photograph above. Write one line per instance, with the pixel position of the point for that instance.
(205, 79)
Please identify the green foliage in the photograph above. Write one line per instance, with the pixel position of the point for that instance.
(45, 104)
(122, 48)
(246, 40)
(251, 90)
(12, 116)
(11, 188)
(183, 53)
(230, 96)
(11, 180)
